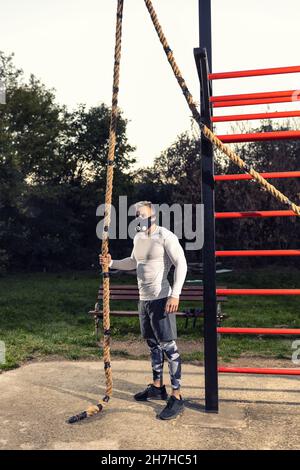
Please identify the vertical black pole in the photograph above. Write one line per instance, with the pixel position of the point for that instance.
(205, 29)
(209, 261)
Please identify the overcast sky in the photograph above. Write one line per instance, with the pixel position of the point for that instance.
(68, 44)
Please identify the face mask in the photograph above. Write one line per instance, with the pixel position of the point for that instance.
(144, 224)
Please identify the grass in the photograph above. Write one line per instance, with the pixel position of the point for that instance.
(46, 315)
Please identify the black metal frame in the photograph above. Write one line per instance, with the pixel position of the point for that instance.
(205, 29)
(203, 58)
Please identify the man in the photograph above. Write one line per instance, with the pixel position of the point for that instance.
(155, 250)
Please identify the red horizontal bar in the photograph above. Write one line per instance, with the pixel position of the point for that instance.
(244, 176)
(251, 117)
(258, 253)
(258, 370)
(229, 104)
(254, 73)
(259, 136)
(241, 215)
(258, 291)
(254, 96)
(259, 331)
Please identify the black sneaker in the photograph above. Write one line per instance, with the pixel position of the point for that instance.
(173, 408)
(152, 392)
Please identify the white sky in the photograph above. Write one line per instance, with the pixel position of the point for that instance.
(68, 44)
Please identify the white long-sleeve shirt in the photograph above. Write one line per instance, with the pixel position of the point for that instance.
(152, 257)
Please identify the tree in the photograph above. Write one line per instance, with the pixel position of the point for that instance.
(53, 168)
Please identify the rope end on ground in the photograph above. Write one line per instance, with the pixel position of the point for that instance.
(91, 411)
(76, 418)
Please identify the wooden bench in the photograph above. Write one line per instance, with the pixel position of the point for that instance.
(130, 292)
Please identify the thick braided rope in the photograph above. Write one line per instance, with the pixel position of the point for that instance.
(204, 129)
(94, 409)
(108, 200)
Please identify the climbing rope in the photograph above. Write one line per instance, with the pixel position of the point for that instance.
(204, 129)
(94, 409)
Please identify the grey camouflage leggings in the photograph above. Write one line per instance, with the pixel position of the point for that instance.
(157, 351)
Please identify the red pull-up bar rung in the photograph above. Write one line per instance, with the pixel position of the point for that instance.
(255, 116)
(258, 370)
(238, 177)
(258, 331)
(280, 99)
(254, 73)
(242, 215)
(258, 291)
(258, 137)
(254, 96)
(258, 253)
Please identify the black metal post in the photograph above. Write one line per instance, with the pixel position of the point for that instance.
(205, 39)
(203, 58)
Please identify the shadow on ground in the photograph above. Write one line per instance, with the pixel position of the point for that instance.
(256, 412)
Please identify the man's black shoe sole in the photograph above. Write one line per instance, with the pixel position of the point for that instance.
(151, 398)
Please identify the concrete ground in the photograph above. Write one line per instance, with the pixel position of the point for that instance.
(256, 412)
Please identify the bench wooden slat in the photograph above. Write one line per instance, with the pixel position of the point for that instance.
(134, 287)
(125, 294)
(130, 313)
(183, 297)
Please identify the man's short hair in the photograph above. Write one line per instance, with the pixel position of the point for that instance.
(149, 204)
